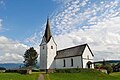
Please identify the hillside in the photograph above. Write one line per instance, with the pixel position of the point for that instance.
(11, 65)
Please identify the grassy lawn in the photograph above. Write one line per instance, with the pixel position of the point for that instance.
(116, 74)
(82, 76)
(62, 76)
(17, 76)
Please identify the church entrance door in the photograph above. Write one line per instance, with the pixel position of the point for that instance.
(89, 64)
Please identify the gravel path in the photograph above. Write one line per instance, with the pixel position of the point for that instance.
(41, 77)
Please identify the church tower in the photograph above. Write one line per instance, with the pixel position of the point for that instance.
(48, 50)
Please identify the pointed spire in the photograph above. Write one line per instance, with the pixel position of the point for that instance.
(47, 34)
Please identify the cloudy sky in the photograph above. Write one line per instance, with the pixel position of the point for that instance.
(73, 22)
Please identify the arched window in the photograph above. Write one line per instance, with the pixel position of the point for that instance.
(71, 61)
(64, 63)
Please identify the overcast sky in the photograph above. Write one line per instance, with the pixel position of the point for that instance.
(73, 22)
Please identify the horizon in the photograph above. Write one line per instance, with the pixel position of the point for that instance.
(72, 22)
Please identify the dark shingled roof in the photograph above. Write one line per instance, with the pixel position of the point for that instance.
(47, 34)
(71, 52)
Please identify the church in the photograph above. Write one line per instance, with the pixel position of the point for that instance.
(79, 56)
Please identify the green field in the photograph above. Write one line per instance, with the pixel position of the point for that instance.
(17, 76)
(62, 76)
(82, 76)
(116, 74)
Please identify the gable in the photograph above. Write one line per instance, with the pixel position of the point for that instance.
(71, 52)
(87, 50)
(51, 41)
(87, 55)
(43, 42)
(90, 50)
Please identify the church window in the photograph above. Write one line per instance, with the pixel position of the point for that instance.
(71, 62)
(64, 63)
(51, 47)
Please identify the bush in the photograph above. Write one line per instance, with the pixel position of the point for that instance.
(35, 70)
(108, 68)
(22, 71)
(73, 70)
(17, 71)
(11, 71)
(2, 68)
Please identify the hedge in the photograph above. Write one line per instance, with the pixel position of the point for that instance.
(73, 70)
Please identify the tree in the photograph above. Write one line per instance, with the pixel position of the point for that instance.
(104, 63)
(109, 68)
(30, 57)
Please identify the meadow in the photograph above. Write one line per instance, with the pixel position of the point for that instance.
(96, 75)
(17, 76)
(82, 76)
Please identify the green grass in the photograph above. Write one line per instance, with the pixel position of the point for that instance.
(62, 76)
(17, 76)
(116, 74)
(82, 76)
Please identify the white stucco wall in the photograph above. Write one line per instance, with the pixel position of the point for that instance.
(51, 53)
(76, 62)
(85, 55)
(47, 54)
(43, 57)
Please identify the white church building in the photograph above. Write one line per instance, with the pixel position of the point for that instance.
(79, 56)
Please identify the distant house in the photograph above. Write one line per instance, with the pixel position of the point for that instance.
(25, 70)
(114, 63)
(116, 68)
(2, 69)
(79, 56)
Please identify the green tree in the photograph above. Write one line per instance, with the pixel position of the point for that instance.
(109, 68)
(30, 57)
